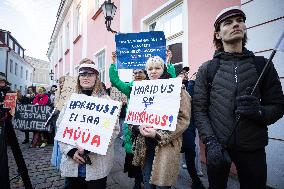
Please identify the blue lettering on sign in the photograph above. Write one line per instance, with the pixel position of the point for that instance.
(134, 49)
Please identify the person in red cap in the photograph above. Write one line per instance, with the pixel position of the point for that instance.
(231, 121)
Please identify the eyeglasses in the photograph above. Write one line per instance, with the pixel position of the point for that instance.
(86, 74)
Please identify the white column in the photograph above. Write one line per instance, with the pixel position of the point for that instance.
(126, 20)
(185, 33)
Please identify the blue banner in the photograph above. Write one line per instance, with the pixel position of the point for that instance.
(134, 49)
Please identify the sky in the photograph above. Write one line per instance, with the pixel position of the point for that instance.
(30, 22)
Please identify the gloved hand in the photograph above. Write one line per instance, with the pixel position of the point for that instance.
(214, 151)
(249, 107)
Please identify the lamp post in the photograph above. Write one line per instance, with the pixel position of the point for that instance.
(109, 10)
(51, 73)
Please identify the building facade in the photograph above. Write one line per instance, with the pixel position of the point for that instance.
(80, 32)
(42, 70)
(18, 71)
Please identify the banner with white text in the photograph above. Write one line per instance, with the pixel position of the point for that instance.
(155, 103)
(89, 122)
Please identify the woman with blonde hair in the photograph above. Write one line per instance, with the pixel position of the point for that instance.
(77, 173)
(158, 151)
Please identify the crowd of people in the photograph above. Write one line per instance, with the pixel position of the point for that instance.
(219, 101)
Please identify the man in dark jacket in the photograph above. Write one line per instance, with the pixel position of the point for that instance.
(217, 105)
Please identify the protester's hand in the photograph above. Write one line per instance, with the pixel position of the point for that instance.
(169, 56)
(77, 156)
(113, 57)
(147, 131)
(248, 106)
(213, 150)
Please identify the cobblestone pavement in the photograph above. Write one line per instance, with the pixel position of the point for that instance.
(43, 175)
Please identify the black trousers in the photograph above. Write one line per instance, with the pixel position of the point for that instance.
(251, 168)
(189, 154)
(81, 183)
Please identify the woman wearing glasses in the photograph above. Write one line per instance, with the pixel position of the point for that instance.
(90, 172)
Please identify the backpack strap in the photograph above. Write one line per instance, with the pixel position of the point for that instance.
(212, 69)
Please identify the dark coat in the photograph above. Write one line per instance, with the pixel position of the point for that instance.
(216, 117)
(188, 140)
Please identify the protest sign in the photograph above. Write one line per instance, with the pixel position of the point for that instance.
(31, 117)
(89, 122)
(10, 102)
(134, 49)
(155, 103)
(64, 94)
(115, 94)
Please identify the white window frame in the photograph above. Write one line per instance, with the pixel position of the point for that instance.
(78, 20)
(101, 67)
(67, 36)
(16, 68)
(22, 72)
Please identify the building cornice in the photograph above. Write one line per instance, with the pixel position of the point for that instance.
(61, 14)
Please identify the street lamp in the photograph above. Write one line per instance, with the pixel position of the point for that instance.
(109, 11)
(51, 73)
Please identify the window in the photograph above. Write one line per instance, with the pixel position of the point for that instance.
(78, 20)
(17, 49)
(60, 47)
(170, 23)
(11, 43)
(11, 66)
(21, 52)
(27, 74)
(15, 87)
(16, 68)
(101, 64)
(67, 36)
(22, 70)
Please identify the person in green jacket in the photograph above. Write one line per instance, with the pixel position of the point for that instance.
(125, 88)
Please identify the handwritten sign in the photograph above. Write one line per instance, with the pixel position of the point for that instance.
(155, 103)
(89, 122)
(134, 49)
(63, 95)
(10, 102)
(115, 94)
(31, 117)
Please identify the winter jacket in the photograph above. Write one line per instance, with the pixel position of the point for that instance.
(214, 113)
(101, 164)
(188, 141)
(126, 88)
(165, 166)
(41, 99)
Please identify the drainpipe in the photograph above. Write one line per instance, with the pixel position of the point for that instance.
(7, 54)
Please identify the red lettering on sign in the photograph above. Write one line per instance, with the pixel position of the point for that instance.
(68, 131)
(96, 140)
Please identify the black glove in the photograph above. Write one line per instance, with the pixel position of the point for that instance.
(214, 151)
(249, 107)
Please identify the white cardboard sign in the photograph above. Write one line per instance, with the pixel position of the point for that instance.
(89, 122)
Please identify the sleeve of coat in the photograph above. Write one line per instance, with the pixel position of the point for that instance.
(272, 98)
(201, 103)
(125, 88)
(183, 120)
(171, 70)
